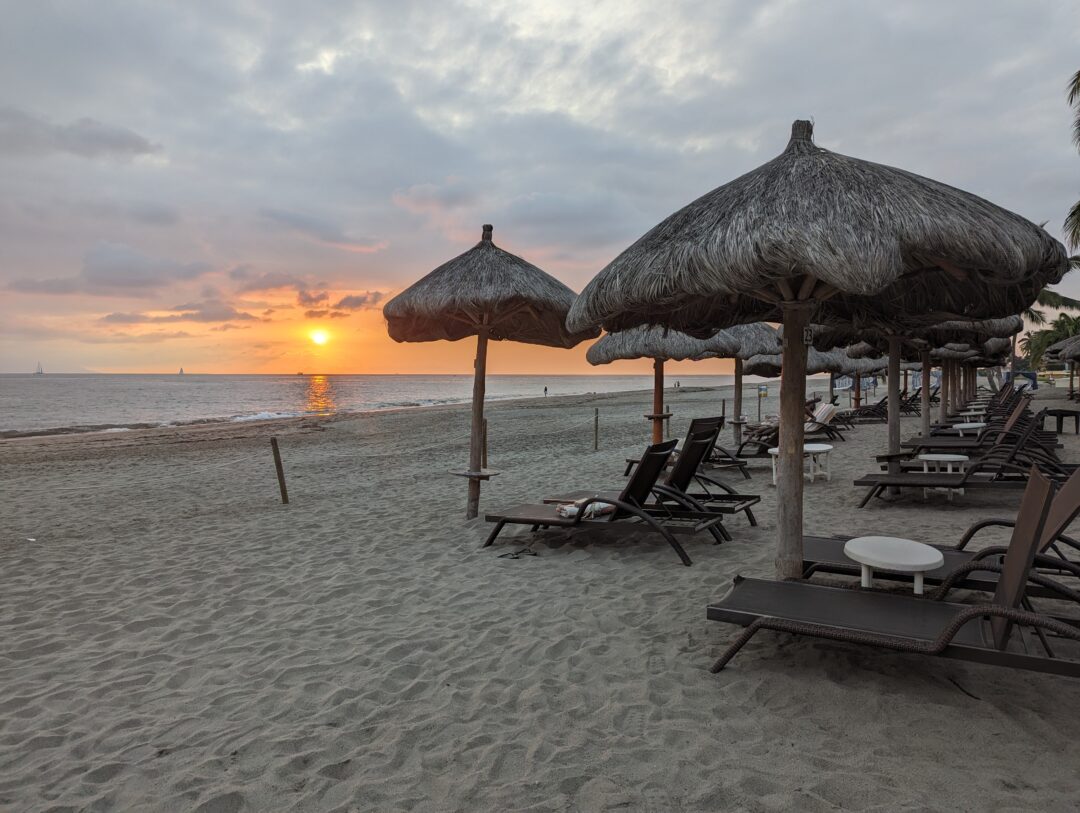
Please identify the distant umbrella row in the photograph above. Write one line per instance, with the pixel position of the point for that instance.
(837, 249)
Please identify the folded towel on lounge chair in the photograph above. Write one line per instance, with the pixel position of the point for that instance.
(594, 509)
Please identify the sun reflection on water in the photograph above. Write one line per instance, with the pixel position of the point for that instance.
(320, 395)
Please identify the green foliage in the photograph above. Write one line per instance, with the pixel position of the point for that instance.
(1072, 220)
(1035, 343)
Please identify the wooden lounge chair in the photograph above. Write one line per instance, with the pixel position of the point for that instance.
(716, 456)
(686, 486)
(817, 427)
(826, 554)
(907, 623)
(632, 505)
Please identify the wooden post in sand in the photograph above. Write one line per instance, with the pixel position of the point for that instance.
(789, 480)
(483, 455)
(476, 433)
(280, 471)
(927, 379)
(737, 404)
(596, 429)
(658, 401)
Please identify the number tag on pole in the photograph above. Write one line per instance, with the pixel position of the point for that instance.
(807, 336)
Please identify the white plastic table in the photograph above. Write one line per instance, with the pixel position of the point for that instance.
(818, 454)
(893, 554)
(948, 459)
(970, 427)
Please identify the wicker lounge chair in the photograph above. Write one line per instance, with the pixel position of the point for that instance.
(905, 623)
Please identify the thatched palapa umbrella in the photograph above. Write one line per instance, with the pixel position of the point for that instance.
(754, 339)
(491, 294)
(660, 345)
(813, 233)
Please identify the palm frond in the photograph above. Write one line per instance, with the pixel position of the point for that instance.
(1072, 225)
(1073, 91)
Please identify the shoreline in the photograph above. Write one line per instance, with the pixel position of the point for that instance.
(285, 418)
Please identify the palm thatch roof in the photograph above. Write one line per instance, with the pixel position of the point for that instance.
(485, 286)
(1064, 350)
(655, 343)
(861, 243)
(817, 361)
(753, 339)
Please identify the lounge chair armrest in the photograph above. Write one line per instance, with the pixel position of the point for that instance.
(978, 526)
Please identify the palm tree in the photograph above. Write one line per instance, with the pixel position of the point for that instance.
(1036, 342)
(1072, 220)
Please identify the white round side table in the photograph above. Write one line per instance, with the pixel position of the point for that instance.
(816, 452)
(893, 554)
(948, 459)
(974, 426)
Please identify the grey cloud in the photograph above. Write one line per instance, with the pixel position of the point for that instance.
(116, 269)
(355, 302)
(23, 133)
(309, 298)
(322, 231)
(270, 280)
(315, 314)
(206, 311)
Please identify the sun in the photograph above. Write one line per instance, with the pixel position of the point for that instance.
(320, 336)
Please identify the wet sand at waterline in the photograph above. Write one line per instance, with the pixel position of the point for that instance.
(176, 639)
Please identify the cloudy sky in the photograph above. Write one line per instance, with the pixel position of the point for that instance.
(203, 184)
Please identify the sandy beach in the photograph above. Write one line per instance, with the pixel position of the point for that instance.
(176, 639)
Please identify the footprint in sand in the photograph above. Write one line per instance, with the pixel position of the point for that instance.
(657, 664)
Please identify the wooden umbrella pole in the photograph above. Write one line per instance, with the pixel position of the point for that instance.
(658, 401)
(894, 394)
(905, 381)
(925, 392)
(737, 406)
(832, 380)
(789, 481)
(476, 436)
(943, 392)
(857, 383)
(1072, 368)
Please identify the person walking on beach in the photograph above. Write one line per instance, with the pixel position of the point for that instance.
(545, 392)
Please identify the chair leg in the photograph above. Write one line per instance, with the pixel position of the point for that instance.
(494, 533)
(869, 495)
(738, 644)
(750, 516)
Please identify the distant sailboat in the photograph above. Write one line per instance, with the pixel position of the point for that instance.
(40, 370)
(181, 371)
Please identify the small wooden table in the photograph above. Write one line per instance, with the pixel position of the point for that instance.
(1060, 415)
(893, 554)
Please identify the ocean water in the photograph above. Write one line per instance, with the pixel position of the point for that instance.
(56, 403)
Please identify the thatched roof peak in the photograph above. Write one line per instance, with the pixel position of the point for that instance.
(485, 287)
(858, 242)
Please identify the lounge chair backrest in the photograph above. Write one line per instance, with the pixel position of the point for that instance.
(1026, 536)
(641, 482)
(699, 425)
(1063, 510)
(1014, 416)
(694, 450)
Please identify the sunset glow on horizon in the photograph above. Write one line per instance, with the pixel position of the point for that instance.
(214, 214)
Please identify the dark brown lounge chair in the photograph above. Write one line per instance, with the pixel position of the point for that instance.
(822, 554)
(632, 504)
(685, 485)
(907, 623)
